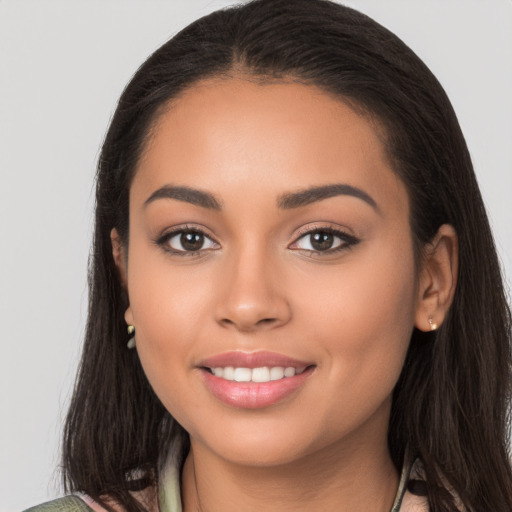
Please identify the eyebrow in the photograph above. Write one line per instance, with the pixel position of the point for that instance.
(186, 194)
(286, 201)
(314, 194)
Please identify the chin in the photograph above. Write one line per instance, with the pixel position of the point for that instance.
(264, 456)
(263, 444)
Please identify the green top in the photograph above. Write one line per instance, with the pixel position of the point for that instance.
(66, 504)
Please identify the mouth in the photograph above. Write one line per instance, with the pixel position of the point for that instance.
(254, 380)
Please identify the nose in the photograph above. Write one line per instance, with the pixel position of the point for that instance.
(253, 296)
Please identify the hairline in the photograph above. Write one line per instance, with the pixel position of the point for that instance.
(243, 72)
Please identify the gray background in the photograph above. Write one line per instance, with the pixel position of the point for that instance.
(63, 65)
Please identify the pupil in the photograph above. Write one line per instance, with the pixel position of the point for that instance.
(322, 241)
(192, 241)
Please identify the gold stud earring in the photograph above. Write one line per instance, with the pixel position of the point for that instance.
(433, 325)
(131, 332)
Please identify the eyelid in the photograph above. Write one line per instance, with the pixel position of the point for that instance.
(327, 226)
(161, 240)
(348, 239)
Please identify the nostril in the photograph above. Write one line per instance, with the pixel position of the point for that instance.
(262, 321)
(266, 320)
(246, 315)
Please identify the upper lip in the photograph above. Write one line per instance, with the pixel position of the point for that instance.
(240, 359)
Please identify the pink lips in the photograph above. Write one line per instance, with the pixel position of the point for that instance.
(253, 395)
(252, 360)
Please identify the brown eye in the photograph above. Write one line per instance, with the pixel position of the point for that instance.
(321, 241)
(324, 240)
(192, 241)
(186, 241)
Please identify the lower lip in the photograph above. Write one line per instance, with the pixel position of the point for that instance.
(253, 395)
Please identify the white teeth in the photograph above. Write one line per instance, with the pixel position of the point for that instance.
(218, 372)
(263, 374)
(289, 372)
(276, 373)
(229, 373)
(260, 374)
(243, 374)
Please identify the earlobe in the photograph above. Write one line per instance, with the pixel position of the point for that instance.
(438, 279)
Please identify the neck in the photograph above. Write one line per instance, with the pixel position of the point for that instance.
(336, 478)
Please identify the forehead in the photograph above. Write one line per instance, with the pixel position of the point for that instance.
(265, 136)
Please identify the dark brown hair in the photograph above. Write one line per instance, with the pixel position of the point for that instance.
(450, 406)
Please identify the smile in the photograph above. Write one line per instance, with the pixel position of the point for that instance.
(253, 380)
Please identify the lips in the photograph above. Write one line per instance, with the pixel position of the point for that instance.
(253, 379)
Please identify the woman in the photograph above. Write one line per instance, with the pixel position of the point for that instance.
(289, 227)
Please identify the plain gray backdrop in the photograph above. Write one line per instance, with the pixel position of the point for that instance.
(63, 65)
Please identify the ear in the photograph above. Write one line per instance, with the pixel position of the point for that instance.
(119, 255)
(438, 279)
(121, 260)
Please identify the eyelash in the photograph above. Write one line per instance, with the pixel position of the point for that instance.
(347, 240)
(163, 241)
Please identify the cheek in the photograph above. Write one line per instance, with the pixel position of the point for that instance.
(167, 304)
(364, 312)
(165, 297)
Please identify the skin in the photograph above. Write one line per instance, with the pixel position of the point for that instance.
(257, 285)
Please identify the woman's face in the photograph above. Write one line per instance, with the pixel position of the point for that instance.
(270, 239)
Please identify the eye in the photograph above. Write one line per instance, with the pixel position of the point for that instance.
(326, 240)
(187, 241)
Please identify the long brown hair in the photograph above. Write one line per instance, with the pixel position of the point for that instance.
(451, 404)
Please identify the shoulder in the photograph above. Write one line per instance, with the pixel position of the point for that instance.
(66, 504)
(83, 503)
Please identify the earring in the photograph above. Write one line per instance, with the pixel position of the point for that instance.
(131, 332)
(433, 325)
